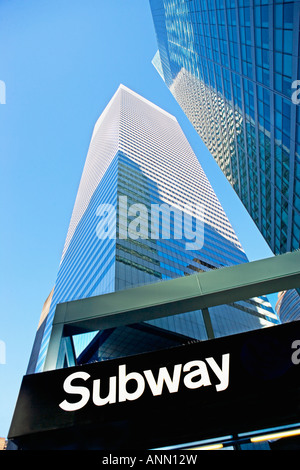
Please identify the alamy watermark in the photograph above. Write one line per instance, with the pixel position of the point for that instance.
(2, 92)
(2, 352)
(296, 355)
(295, 95)
(160, 221)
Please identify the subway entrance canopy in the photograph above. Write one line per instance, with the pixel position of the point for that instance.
(227, 389)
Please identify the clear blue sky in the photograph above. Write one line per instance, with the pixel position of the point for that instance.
(62, 61)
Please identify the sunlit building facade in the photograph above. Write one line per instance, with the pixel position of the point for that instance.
(288, 306)
(144, 212)
(233, 67)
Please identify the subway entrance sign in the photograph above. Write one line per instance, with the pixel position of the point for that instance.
(232, 385)
(225, 386)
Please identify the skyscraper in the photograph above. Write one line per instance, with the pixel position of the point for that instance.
(144, 212)
(288, 306)
(233, 66)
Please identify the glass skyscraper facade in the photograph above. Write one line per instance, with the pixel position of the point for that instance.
(288, 306)
(144, 212)
(233, 67)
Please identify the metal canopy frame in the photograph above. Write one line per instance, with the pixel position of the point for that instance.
(195, 292)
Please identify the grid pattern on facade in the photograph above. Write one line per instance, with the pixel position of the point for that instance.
(287, 306)
(231, 65)
(153, 164)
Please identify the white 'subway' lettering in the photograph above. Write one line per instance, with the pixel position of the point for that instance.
(196, 374)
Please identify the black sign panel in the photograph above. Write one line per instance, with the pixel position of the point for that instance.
(206, 389)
